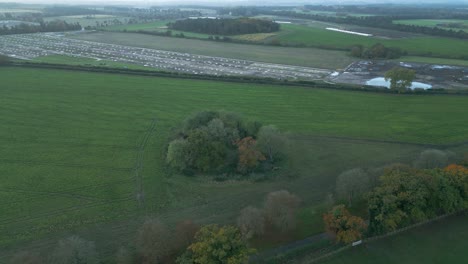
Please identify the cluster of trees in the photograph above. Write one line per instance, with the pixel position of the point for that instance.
(52, 26)
(222, 142)
(225, 26)
(344, 226)
(376, 51)
(408, 195)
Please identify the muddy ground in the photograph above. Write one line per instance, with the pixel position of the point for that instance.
(439, 76)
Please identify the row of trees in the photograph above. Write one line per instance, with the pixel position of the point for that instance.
(52, 26)
(225, 26)
(222, 142)
(376, 51)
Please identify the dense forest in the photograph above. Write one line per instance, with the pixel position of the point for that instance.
(52, 26)
(225, 26)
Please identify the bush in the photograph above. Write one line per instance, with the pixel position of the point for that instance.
(251, 222)
(280, 210)
(153, 242)
(432, 158)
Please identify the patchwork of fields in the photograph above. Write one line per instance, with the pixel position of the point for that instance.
(77, 148)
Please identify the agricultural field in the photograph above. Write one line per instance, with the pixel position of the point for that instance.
(441, 242)
(157, 26)
(435, 23)
(18, 11)
(306, 57)
(77, 147)
(419, 46)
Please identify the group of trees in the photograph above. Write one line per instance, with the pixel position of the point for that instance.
(400, 78)
(344, 226)
(51, 26)
(376, 51)
(225, 26)
(222, 142)
(408, 195)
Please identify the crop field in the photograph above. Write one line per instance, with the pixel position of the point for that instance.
(441, 242)
(434, 22)
(420, 46)
(77, 147)
(307, 57)
(157, 26)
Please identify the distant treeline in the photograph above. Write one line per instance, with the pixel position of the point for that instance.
(385, 22)
(225, 26)
(68, 11)
(377, 51)
(52, 26)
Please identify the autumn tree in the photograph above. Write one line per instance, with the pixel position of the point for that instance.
(251, 222)
(280, 210)
(343, 226)
(153, 242)
(400, 78)
(249, 155)
(352, 184)
(74, 250)
(272, 142)
(26, 257)
(214, 244)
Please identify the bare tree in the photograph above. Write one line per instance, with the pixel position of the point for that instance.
(352, 184)
(184, 235)
(74, 250)
(432, 158)
(153, 242)
(251, 222)
(280, 209)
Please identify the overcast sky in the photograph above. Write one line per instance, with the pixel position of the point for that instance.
(228, 2)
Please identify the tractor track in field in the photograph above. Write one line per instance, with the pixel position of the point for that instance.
(139, 191)
(63, 164)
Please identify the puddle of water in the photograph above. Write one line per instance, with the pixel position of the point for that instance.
(380, 81)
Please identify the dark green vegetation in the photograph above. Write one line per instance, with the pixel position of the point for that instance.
(440, 242)
(52, 26)
(282, 55)
(237, 26)
(78, 147)
(448, 24)
(400, 78)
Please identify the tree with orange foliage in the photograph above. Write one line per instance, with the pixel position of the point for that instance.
(345, 227)
(458, 175)
(249, 155)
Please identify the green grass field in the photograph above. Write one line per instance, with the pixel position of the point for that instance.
(441, 242)
(91, 21)
(316, 37)
(433, 23)
(282, 55)
(157, 26)
(72, 142)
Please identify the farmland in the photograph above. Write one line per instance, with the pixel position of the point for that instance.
(435, 22)
(70, 143)
(283, 55)
(424, 45)
(440, 242)
(90, 20)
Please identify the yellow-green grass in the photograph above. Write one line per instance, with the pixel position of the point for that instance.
(434, 23)
(441, 242)
(419, 46)
(328, 59)
(70, 143)
(259, 37)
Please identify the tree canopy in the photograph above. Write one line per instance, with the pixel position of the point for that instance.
(343, 226)
(400, 78)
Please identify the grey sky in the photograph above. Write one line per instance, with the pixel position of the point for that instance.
(228, 2)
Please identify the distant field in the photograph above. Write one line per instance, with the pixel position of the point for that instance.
(434, 60)
(316, 37)
(70, 142)
(157, 26)
(14, 10)
(283, 55)
(89, 21)
(434, 22)
(445, 241)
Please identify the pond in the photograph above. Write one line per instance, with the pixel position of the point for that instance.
(380, 81)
